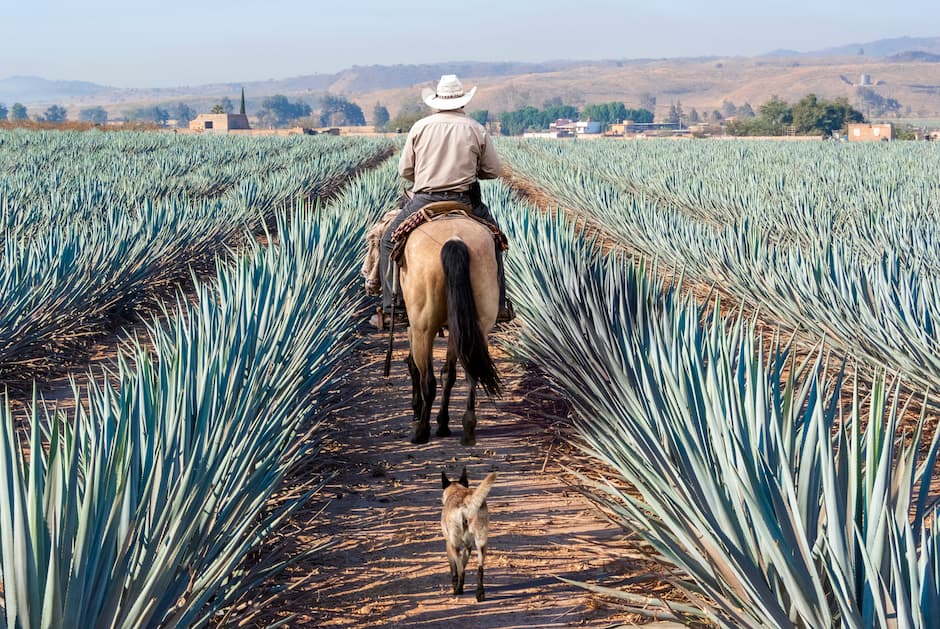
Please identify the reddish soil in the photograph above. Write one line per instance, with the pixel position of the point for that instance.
(381, 512)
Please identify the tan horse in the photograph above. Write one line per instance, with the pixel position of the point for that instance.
(448, 277)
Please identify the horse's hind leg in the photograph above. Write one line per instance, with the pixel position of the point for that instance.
(469, 436)
(448, 377)
(424, 387)
(415, 383)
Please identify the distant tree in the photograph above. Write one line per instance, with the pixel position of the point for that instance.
(380, 115)
(55, 113)
(648, 101)
(481, 115)
(338, 111)
(774, 118)
(728, 109)
(644, 116)
(148, 114)
(777, 114)
(405, 119)
(605, 113)
(716, 117)
(805, 113)
(694, 118)
(3, 111)
(519, 121)
(553, 112)
(217, 109)
(530, 118)
(892, 106)
(183, 114)
(811, 115)
(277, 111)
(18, 112)
(675, 115)
(875, 104)
(745, 111)
(869, 100)
(554, 101)
(226, 105)
(95, 115)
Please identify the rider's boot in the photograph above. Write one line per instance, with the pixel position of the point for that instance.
(506, 311)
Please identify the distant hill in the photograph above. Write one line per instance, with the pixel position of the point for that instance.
(883, 47)
(30, 89)
(355, 80)
(704, 84)
(914, 56)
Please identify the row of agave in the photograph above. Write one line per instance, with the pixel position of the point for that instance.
(875, 298)
(875, 197)
(140, 508)
(751, 471)
(69, 265)
(52, 177)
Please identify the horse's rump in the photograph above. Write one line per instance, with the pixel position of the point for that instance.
(422, 273)
(466, 337)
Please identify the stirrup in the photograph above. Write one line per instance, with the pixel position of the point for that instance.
(506, 314)
(382, 320)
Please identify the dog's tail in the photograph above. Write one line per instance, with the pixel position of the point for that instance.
(479, 494)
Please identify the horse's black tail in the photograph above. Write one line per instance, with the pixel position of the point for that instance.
(464, 333)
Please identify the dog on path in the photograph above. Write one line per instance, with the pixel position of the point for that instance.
(465, 523)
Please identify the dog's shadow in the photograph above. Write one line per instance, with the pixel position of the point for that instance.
(519, 589)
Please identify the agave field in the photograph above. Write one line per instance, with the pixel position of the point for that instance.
(838, 241)
(139, 508)
(778, 487)
(783, 494)
(93, 223)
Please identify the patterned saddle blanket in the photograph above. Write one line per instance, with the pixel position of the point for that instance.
(436, 210)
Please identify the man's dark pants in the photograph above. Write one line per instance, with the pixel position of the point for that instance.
(418, 201)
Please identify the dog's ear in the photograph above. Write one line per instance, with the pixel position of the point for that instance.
(444, 482)
(463, 478)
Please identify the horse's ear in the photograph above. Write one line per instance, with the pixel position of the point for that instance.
(444, 481)
(463, 478)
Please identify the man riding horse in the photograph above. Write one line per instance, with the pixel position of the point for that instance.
(445, 156)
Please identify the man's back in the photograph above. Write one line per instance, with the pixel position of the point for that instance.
(448, 151)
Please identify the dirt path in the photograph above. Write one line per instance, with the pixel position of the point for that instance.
(387, 567)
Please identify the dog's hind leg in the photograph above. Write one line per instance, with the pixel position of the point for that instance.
(462, 560)
(453, 558)
(481, 556)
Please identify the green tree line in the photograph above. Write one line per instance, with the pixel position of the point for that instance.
(809, 116)
(533, 119)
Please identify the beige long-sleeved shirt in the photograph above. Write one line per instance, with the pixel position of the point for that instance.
(447, 151)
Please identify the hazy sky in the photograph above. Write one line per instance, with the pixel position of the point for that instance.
(175, 42)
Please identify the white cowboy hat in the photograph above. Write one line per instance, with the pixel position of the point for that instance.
(449, 94)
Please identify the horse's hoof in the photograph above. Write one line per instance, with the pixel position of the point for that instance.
(443, 431)
(421, 434)
(480, 596)
(468, 441)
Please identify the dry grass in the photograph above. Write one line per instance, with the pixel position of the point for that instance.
(72, 125)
